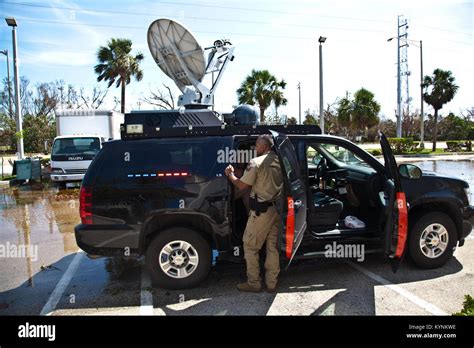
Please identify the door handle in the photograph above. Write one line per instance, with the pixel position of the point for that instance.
(297, 203)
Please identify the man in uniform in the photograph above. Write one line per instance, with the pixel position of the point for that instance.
(263, 175)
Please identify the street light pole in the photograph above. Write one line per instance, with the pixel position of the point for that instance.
(21, 154)
(321, 102)
(5, 52)
(422, 123)
(299, 102)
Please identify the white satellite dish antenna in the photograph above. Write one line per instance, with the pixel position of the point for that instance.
(178, 54)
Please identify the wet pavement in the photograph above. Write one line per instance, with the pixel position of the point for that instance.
(56, 278)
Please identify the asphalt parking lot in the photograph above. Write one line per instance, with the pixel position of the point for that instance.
(59, 279)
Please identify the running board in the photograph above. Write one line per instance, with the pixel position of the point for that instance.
(320, 254)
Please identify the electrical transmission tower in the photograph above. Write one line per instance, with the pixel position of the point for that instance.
(403, 95)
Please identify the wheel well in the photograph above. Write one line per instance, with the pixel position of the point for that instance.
(162, 222)
(445, 208)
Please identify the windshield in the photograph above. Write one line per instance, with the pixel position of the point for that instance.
(340, 154)
(74, 146)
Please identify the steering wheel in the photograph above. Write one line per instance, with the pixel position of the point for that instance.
(321, 169)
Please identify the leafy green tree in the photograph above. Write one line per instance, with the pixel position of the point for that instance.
(388, 127)
(117, 65)
(292, 121)
(7, 131)
(262, 88)
(358, 113)
(439, 89)
(310, 118)
(37, 130)
(453, 127)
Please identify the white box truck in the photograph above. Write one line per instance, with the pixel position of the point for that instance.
(80, 135)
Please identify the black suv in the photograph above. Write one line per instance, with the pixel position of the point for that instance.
(160, 192)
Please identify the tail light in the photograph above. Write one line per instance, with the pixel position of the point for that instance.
(85, 205)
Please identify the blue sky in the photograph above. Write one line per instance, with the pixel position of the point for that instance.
(59, 39)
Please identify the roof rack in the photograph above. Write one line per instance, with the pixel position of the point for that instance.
(135, 132)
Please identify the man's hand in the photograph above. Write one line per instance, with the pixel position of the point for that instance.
(229, 170)
(233, 179)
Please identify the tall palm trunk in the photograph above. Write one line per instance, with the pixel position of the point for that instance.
(435, 129)
(262, 114)
(122, 99)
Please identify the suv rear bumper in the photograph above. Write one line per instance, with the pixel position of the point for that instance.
(107, 240)
(467, 220)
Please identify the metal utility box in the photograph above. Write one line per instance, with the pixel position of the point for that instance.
(27, 169)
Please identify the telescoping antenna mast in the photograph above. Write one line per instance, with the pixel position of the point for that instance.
(179, 55)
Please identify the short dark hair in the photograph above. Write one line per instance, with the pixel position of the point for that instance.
(266, 138)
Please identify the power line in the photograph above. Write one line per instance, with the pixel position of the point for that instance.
(201, 18)
(200, 31)
(226, 20)
(197, 5)
(197, 31)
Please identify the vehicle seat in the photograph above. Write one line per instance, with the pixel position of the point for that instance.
(325, 212)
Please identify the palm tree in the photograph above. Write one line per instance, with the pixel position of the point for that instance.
(439, 90)
(262, 88)
(358, 113)
(117, 65)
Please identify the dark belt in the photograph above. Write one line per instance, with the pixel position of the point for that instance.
(259, 207)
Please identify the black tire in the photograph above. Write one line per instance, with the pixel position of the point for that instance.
(423, 221)
(199, 244)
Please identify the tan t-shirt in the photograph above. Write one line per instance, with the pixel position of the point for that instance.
(263, 173)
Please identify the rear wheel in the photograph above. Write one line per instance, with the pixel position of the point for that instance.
(178, 258)
(433, 239)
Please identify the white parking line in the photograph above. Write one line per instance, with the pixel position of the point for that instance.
(146, 297)
(430, 308)
(58, 291)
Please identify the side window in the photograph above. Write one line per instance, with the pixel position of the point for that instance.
(291, 167)
(312, 156)
(290, 162)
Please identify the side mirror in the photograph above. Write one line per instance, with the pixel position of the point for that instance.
(409, 171)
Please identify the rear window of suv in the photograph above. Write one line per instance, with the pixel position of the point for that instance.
(145, 159)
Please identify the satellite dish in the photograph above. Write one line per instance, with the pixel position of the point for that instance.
(178, 54)
(171, 44)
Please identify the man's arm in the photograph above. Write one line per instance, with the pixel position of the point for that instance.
(237, 182)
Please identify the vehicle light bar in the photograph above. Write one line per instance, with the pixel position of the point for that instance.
(161, 175)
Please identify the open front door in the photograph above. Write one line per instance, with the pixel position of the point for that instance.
(294, 201)
(396, 228)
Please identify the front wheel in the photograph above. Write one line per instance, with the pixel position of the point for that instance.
(178, 258)
(433, 239)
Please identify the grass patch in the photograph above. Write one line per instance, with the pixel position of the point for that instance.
(8, 177)
(468, 307)
(426, 152)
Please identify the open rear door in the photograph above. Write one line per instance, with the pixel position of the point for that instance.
(396, 228)
(294, 200)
